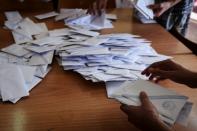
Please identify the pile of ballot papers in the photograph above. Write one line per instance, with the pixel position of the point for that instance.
(26, 62)
(111, 57)
(171, 106)
(80, 19)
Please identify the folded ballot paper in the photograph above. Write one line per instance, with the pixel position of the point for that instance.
(170, 105)
(16, 81)
(143, 13)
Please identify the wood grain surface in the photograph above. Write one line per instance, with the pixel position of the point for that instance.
(64, 101)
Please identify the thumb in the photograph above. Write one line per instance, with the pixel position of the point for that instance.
(144, 99)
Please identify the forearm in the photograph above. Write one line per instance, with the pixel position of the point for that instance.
(155, 126)
(173, 2)
(192, 80)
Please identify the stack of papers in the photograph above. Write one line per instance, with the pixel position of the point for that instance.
(170, 105)
(111, 57)
(23, 29)
(79, 19)
(27, 61)
(34, 49)
(143, 13)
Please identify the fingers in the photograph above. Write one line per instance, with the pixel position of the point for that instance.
(97, 6)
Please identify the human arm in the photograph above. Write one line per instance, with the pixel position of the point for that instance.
(169, 70)
(162, 7)
(145, 117)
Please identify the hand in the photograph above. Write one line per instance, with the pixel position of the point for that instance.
(97, 7)
(160, 8)
(169, 70)
(144, 117)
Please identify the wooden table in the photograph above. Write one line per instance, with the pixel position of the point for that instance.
(66, 101)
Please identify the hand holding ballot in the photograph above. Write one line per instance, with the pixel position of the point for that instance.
(146, 116)
(167, 69)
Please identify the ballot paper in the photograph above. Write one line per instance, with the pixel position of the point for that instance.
(30, 86)
(20, 38)
(168, 103)
(143, 19)
(15, 49)
(13, 16)
(86, 32)
(85, 23)
(47, 15)
(12, 83)
(41, 59)
(142, 7)
(70, 14)
(30, 27)
(98, 19)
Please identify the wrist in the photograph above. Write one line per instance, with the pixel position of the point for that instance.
(161, 126)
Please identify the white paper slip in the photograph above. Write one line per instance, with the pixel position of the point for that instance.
(132, 89)
(42, 73)
(20, 38)
(47, 15)
(141, 5)
(97, 19)
(15, 49)
(30, 27)
(23, 32)
(86, 32)
(30, 86)
(94, 41)
(143, 19)
(28, 72)
(60, 32)
(184, 114)
(68, 14)
(111, 87)
(12, 83)
(47, 40)
(12, 25)
(170, 108)
(3, 58)
(13, 16)
(41, 59)
(40, 49)
(43, 27)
